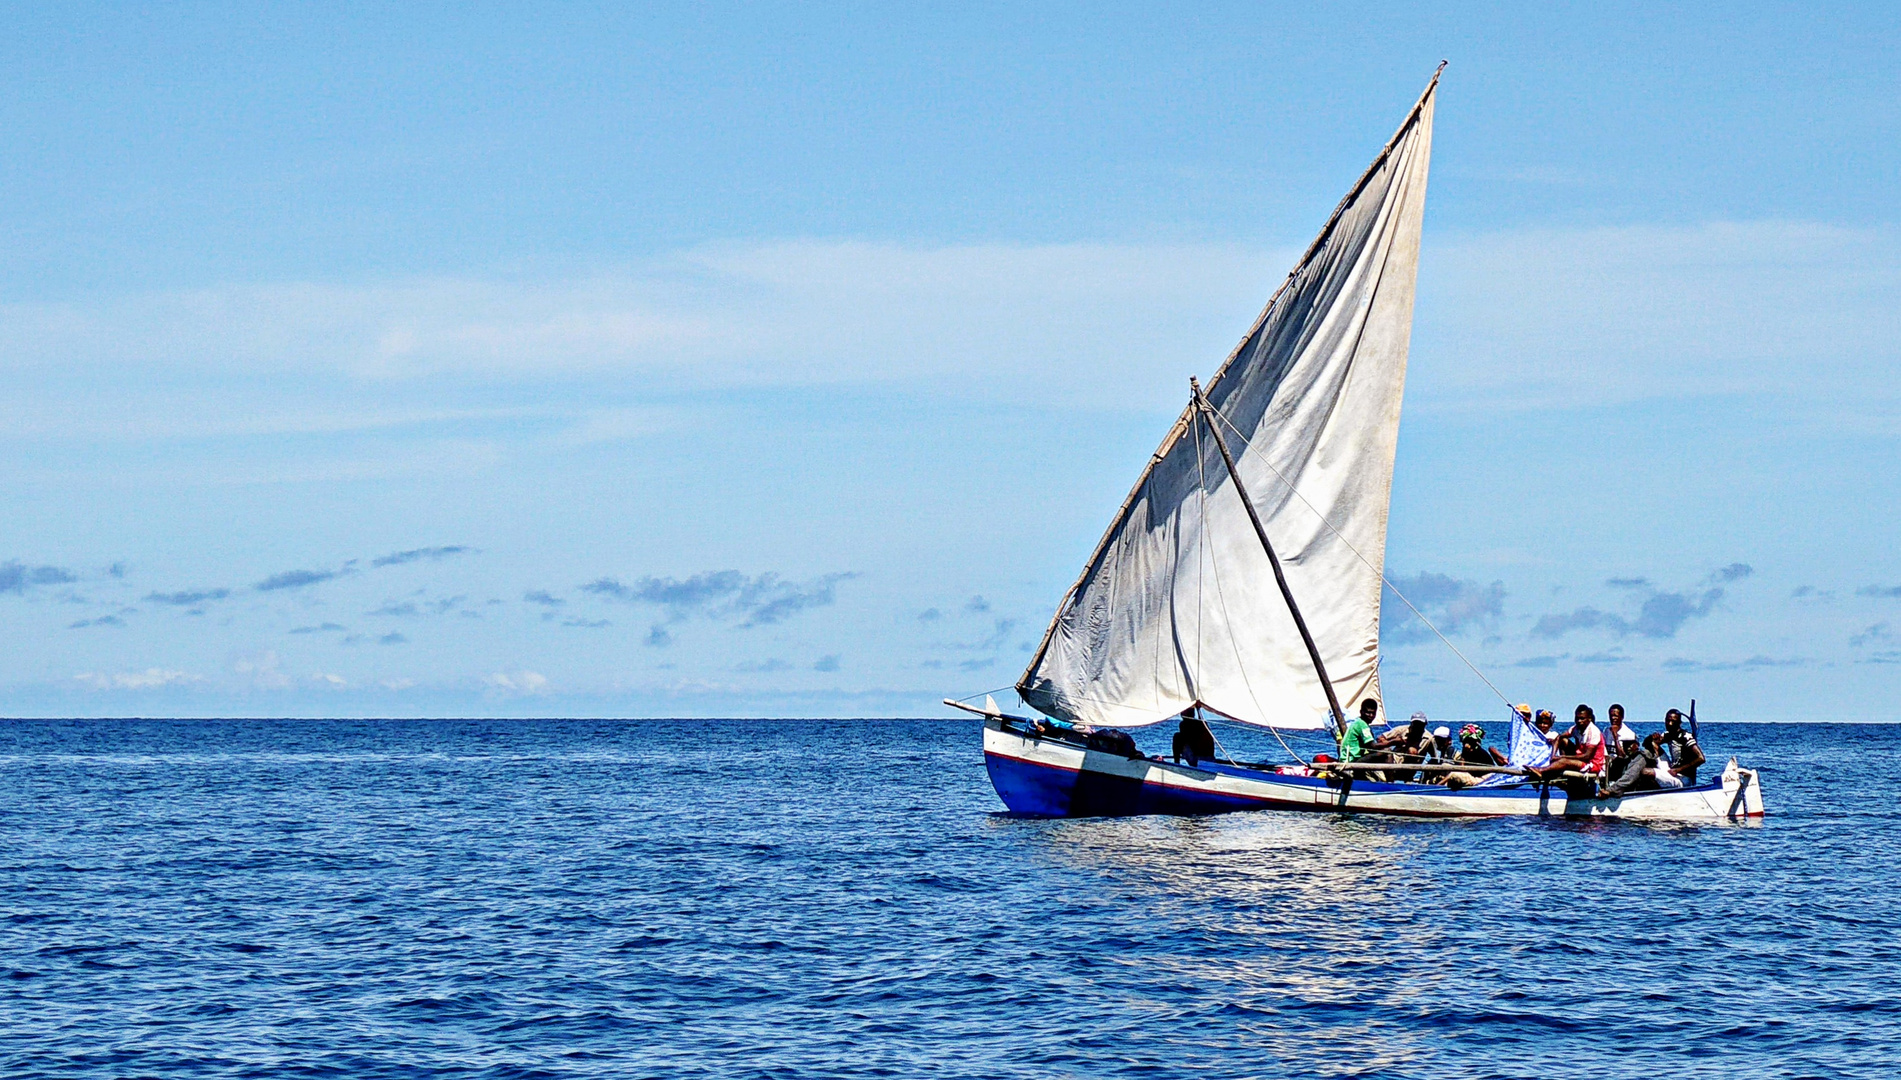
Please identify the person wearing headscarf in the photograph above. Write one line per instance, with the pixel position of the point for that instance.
(1533, 742)
(1473, 751)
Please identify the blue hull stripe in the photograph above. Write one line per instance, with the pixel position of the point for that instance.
(1031, 787)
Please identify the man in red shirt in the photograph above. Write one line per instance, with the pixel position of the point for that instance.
(1582, 747)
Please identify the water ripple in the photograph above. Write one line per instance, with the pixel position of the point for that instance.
(763, 899)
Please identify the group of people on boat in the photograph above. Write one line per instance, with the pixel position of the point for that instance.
(1604, 762)
(1608, 762)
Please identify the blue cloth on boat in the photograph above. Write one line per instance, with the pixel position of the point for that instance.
(1528, 745)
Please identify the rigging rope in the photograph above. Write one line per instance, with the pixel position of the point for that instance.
(1324, 520)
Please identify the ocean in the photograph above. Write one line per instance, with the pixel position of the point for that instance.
(749, 898)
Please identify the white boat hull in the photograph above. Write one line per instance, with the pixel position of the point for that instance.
(1049, 777)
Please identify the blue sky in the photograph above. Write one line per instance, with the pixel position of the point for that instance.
(788, 361)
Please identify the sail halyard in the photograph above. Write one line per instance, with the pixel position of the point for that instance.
(1296, 393)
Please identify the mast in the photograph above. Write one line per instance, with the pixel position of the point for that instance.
(1313, 651)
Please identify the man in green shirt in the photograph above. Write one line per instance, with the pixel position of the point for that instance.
(1358, 741)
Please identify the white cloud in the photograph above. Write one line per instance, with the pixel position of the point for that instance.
(1057, 320)
(1534, 316)
(149, 679)
(519, 682)
(260, 670)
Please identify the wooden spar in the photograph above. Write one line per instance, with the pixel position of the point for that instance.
(1313, 651)
(1423, 766)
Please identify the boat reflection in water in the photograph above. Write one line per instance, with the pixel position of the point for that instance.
(1287, 920)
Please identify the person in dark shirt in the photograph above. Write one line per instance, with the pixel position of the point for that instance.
(1473, 751)
(1629, 767)
(1194, 740)
(1413, 746)
(1680, 747)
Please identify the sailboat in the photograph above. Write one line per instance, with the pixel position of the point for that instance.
(1242, 576)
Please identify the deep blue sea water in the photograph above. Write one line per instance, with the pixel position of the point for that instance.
(778, 899)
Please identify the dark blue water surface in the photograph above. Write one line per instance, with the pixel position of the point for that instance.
(763, 898)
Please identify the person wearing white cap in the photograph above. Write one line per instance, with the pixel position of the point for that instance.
(1442, 749)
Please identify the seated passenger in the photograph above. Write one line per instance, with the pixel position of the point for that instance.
(1629, 768)
(1582, 748)
(1415, 746)
(1111, 741)
(1533, 742)
(1473, 751)
(1680, 747)
(1659, 770)
(1356, 743)
(1442, 751)
(1613, 739)
(1194, 740)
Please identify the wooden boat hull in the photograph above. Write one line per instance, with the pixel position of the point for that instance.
(1047, 777)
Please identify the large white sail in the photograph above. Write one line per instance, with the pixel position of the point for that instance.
(1178, 605)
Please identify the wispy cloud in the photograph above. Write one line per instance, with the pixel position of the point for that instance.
(17, 577)
(432, 554)
(1659, 615)
(187, 598)
(103, 620)
(323, 628)
(1880, 592)
(543, 597)
(1709, 308)
(1878, 632)
(1455, 605)
(296, 579)
(725, 594)
(1680, 663)
(826, 663)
